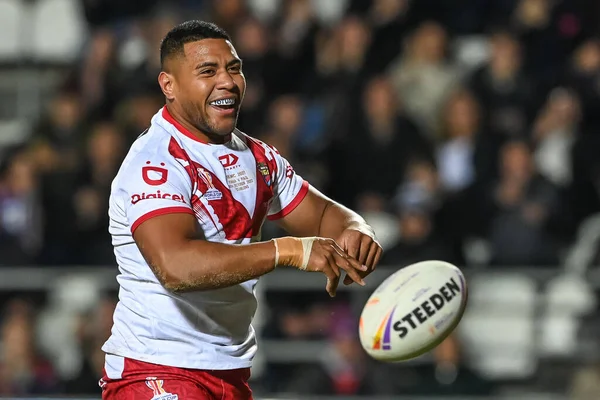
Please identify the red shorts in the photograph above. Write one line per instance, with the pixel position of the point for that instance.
(145, 381)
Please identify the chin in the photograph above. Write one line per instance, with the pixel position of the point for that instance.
(224, 129)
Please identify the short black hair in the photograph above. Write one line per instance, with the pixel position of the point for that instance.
(186, 32)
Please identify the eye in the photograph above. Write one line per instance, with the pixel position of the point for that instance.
(236, 69)
(207, 72)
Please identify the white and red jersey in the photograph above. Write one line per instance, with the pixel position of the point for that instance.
(230, 188)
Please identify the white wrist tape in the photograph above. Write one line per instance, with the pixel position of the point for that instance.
(307, 244)
(276, 253)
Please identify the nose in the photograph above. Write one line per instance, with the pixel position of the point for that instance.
(225, 81)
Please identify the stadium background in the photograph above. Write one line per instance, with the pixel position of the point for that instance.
(463, 130)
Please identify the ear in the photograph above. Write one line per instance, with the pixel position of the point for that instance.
(167, 84)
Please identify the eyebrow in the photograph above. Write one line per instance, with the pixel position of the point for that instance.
(214, 64)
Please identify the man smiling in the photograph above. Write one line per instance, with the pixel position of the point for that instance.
(186, 211)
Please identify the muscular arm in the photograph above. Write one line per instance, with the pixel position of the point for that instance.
(318, 215)
(182, 261)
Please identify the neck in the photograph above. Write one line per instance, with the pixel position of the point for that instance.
(177, 118)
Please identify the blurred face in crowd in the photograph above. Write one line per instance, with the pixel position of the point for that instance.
(533, 13)
(425, 174)
(285, 114)
(565, 108)
(515, 158)
(587, 57)
(429, 43)
(380, 99)
(206, 86)
(65, 110)
(17, 333)
(106, 143)
(461, 115)
(21, 175)
(251, 39)
(506, 57)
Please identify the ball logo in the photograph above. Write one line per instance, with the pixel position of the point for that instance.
(154, 176)
(429, 308)
(384, 332)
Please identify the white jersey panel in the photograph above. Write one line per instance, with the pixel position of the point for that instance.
(230, 189)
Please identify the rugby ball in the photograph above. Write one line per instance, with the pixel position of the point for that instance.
(413, 311)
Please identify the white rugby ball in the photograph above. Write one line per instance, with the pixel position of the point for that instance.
(413, 311)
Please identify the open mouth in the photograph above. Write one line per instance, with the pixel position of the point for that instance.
(226, 104)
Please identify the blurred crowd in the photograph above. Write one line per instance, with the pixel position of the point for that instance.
(465, 130)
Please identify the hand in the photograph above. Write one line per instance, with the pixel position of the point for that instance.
(328, 257)
(317, 254)
(361, 245)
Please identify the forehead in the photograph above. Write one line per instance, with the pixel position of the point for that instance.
(209, 50)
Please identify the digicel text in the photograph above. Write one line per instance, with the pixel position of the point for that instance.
(135, 198)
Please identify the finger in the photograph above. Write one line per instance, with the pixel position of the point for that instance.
(333, 281)
(377, 257)
(373, 250)
(352, 248)
(351, 267)
(365, 248)
(332, 264)
(341, 253)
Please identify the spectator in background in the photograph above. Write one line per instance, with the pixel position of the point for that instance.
(254, 47)
(294, 43)
(56, 149)
(582, 75)
(390, 20)
(423, 76)
(554, 133)
(503, 89)
(370, 162)
(522, 205)
(417, 204)
(105, 151)
(23, 371)
(20, 228)
(135, 110)
(340, 72)
(466, 152)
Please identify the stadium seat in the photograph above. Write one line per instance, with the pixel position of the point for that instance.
(498, 328)
(11, 25)
(59, 30)
(566, 298)
(70, 297)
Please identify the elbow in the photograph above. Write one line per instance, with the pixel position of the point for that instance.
(167, 276)
(177, 279)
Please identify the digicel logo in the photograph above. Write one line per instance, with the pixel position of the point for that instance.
(135, 198)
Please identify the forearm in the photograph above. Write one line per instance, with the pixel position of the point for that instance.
(202, 265)
(337, 218)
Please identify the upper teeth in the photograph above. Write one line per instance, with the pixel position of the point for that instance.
(223, 102)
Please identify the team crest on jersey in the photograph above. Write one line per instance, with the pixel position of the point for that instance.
(264, 171)
(212, 193)
(156, 385)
